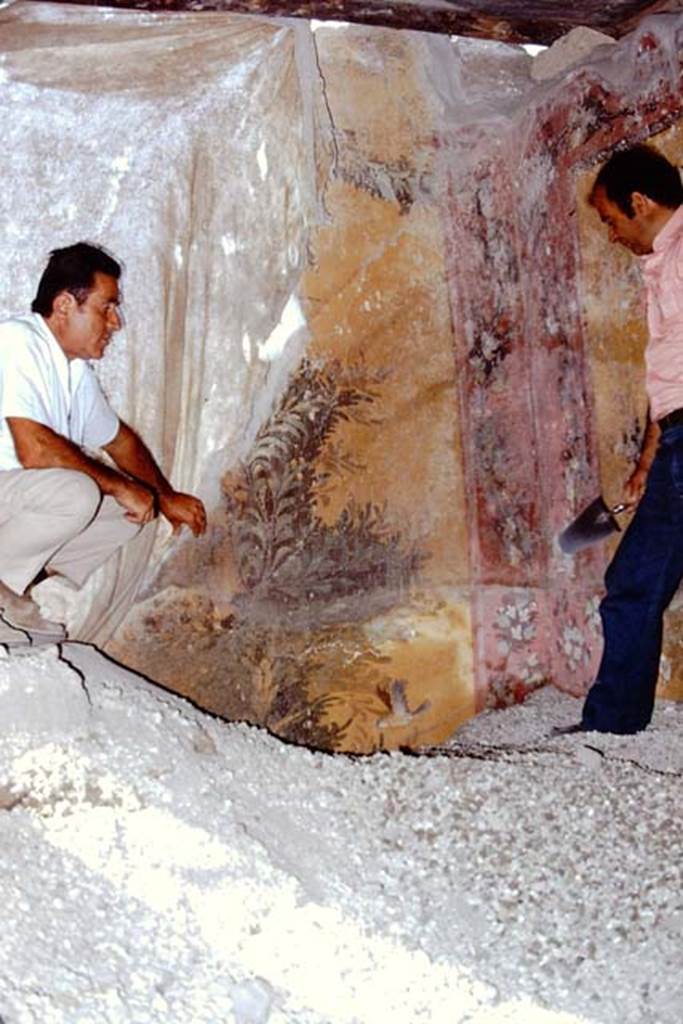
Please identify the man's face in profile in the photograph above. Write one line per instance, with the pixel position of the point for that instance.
(634, 233)
(85, 329)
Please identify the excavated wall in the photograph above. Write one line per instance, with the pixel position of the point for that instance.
(551, 368)
(371, 322)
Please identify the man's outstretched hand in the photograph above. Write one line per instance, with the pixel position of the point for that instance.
(183, 510)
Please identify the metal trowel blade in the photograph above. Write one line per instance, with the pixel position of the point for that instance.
(593, 524)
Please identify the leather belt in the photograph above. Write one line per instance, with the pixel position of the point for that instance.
(672, 419)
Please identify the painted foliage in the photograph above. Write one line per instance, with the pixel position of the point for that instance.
(328, 601)
(289, 559)
(384, 559)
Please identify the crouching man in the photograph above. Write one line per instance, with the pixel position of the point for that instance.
(61, 509)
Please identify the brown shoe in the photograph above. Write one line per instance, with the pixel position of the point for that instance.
(23, 615)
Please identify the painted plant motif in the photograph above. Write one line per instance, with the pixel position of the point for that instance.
(490, 348)
(400, 181)
(592, 616)
(508, 506)
(328, 688)
(287, 556)
(287, 649)
(300, 574)
(519, 670)
(578, 642)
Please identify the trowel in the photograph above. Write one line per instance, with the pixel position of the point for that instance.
(593, 524)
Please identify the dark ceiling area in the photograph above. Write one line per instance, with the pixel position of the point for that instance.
(531, 21)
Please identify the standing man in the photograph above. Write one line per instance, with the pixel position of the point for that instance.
(62, 510)
(639, 197)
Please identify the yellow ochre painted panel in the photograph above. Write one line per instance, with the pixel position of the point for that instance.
(391, 314)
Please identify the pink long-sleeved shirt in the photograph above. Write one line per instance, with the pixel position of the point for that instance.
(663, 276)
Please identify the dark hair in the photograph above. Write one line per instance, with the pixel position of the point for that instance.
(639, 169)
(72, 270)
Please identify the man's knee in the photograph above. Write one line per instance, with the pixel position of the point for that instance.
(77, 496)
(127, 531)
(112, 518)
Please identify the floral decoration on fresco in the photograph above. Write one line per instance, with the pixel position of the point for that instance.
(288, 650)
(579, 639)
(592, 616)
(289, 558)
(491, 346)
(508, 506)
(518, 670)
(401, 182)
(574, 646)
(301, 576)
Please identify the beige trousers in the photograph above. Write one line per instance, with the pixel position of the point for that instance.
(59, 520)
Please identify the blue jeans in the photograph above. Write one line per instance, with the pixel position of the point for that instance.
(641, 581)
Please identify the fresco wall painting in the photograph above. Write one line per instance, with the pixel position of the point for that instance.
(381, 561)
(345, 547)
(551, 365)
(495, 609)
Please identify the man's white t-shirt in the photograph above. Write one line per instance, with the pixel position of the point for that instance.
(38, 382)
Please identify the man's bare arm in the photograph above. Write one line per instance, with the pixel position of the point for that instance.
(132, 455)
(635, 485)
(39, 447)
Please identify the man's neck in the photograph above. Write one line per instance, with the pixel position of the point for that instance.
(54, 331)
(661, 218)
